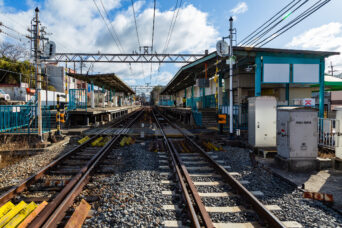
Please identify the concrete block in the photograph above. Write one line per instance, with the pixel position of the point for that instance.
(324, 163)
(337, 163)
(298, 164)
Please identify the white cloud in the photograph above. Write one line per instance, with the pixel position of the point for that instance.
(327, 37)
(77, 27)
(240, 8)
(162, 78)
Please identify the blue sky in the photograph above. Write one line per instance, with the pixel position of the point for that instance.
(77, 26)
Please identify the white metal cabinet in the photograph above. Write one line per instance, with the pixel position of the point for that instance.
(262, 116)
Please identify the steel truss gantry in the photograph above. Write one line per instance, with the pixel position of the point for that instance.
(125, 58)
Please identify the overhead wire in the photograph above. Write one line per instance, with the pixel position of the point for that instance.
(263, 33)
(135, 22)
(13, 30)
(115, 33)
(10, 35)
(168, 33)
(173, 26)
(292, 23)
(154, 17)
(137, 33)
(110, 32)
(276, 15)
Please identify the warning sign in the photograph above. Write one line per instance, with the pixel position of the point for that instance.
(309, 102)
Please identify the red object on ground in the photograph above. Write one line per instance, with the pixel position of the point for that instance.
(319, 196)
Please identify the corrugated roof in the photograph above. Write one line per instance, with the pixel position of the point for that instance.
(108, 81)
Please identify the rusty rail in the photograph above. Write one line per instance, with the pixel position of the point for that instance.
(32, 179)
(50, 217)
(185, 194)
(258, 207)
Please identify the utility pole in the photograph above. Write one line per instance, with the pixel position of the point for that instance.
(231, 130)
(332, 69)
(38, 68)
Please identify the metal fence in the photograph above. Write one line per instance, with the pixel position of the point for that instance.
(166, 103)
(23, 119)
(328, 132)
(197, 117)
(240, 116)
(78, 99)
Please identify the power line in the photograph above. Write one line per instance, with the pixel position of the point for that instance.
(294, 22)
(13, 30)
(115, 33)
(135, 22)
(154, 16)
(251, 42)
(110, 32)
(10, 35)
(173, 26)
(170, 29)
(277, 15)
(13, 72)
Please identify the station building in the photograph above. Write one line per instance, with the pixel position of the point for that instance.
(201, 89)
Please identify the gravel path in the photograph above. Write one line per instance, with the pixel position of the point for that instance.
(132, 196)
(308, 213)
(15, 173)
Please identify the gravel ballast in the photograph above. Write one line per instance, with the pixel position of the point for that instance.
(276, 191)
(132, 196)
(29, 165)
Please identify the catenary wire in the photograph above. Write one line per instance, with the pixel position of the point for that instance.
(252, 34)
(291, 24)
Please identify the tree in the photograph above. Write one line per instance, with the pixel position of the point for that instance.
(13, 51)
(12, 72)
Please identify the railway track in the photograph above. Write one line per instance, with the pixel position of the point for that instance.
(62, 180)
(205, 166)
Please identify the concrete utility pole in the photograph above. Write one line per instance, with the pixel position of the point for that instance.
(231, 130)
(38, 76)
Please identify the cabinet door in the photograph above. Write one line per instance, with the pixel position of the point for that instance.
(283, 139)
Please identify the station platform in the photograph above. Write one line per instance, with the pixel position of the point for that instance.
(177, 109)
(96, 116)
(184, 115)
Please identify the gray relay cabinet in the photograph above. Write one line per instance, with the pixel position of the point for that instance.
(297, 135)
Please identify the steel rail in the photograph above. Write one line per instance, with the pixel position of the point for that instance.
(185, 194)
(203, 212)
(51, 217)
(30, 180)
(259, 208)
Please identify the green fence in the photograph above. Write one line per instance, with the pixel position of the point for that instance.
(77, 99)
(166, 103)
(23, 119)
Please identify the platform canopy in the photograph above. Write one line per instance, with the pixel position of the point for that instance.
(108, 81)
(245, 58)
(331, 83)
